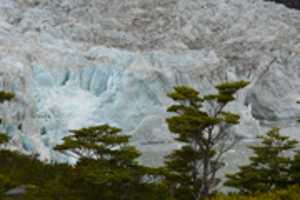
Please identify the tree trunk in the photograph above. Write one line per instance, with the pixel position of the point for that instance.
(205, 182)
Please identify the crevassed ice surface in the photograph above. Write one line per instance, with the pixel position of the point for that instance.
(76, 63)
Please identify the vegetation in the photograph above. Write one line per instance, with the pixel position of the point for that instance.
(291, 193)
(5, 181)
(4, 96)
(205, 138)
(44, 180)
(107, 166)
(269, 168)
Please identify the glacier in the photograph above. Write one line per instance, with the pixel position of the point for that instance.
(77, 63)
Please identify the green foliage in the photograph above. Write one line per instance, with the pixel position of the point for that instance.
(268, 168)
(41, 179)
(228, 90)
(99, 142)
(5, 181)
(295, 169)
(5, 184)
(192, 169)
(6, 96)
(107, 166)
(291, 193)
(107, 169)
(3, 138)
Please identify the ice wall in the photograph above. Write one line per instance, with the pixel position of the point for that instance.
(76, 63)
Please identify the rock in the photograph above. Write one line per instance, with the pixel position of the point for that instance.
(289, 3)
(16, 192)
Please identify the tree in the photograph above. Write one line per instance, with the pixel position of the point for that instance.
(41, 180)
(295, 169)
(290, 193)
(5, 96)
(269, 167)
(107, 165)
(5, 182)
(205, 137)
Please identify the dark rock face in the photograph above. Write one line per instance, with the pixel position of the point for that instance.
(289, 3)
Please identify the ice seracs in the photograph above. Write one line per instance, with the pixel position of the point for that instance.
(84, 62)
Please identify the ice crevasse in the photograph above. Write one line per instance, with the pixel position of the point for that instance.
(80, 63)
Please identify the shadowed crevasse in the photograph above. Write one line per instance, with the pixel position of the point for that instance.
(289, 3)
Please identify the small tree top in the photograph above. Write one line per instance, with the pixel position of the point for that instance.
(99, 142)
(268, 167)
(3, 138)
(6, 96)
(273, 146)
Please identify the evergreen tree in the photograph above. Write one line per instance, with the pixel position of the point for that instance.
(269, 167)
(5, 182)
(295, 169)
(204, 134)
(41, 180)
(5, 96)
(107, 165)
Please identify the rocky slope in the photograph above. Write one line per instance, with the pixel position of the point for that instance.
(75, 63)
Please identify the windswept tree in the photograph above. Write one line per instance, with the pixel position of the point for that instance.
(269, 167)
(205, 137)
(107, 165)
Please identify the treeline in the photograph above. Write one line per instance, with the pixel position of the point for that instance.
(107, 166)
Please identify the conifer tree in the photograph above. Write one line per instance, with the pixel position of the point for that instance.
(107, 165)
(269, 167)
(5, 182)
(295, 168)
(204, 134)
(5, 96)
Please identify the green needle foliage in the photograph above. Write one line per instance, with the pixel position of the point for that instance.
(295, 169)
(107, 166)
(5, 182)
(204, 134)
(290, 193)
(5, 96)
(43, 181)
(3, 138)
(269, 167)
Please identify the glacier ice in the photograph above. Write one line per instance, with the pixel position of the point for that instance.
(76, 63)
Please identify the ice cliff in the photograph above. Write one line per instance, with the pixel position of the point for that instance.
(75, 63)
